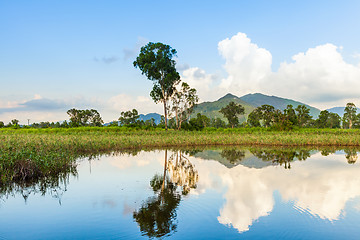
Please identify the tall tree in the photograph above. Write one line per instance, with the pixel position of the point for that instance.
(231, 112)
(349, 115)
(156, 62)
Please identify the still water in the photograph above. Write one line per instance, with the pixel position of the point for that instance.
(229, 193)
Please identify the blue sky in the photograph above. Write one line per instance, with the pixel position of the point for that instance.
(55, 55)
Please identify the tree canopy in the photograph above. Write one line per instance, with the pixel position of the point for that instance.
(129, 117)
(231, 112)
(84, 117)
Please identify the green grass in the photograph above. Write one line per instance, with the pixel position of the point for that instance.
(31, 154)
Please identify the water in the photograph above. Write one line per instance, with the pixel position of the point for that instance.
(232, 193)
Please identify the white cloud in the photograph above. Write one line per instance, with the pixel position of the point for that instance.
(40, 109)
(246, 64)
(320, 76)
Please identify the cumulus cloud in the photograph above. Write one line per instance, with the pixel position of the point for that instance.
(246, 64)
(318, 76)
(36, 104)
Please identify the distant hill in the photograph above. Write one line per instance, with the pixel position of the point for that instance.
(148, 116)
(339, 110)
(211, 109)
(258, 99)
(249, 102)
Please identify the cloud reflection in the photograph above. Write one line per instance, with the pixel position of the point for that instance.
(321, 186)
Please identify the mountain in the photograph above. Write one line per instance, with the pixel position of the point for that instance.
(340, 110)
(211, 109)
(148, 116)
(258, 99)
(249, 102)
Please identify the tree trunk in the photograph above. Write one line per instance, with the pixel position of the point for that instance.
(165, 114)
(180, 121)
(177, 119)
(164, 101)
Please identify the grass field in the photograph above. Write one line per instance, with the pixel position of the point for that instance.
(28, 154)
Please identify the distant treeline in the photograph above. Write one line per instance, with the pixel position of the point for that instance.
(264, 116)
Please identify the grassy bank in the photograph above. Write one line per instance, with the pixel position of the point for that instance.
(36, 153)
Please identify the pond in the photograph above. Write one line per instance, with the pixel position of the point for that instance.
(212, 193)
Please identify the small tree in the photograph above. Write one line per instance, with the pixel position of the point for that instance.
(2, 124)
(267, 114)
(129, 117)
(334, 120)
(84, 117)
(303, 115)
(217, 123)
(183, 103)
(322, 120)
(14, 122)
(156, 62)
(290, 114)
(254, 118)
(231, 112)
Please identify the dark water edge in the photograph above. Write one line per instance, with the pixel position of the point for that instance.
(206, 193)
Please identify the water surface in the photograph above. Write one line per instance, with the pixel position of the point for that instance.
(229, 193)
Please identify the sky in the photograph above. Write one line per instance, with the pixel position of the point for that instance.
(58, 55)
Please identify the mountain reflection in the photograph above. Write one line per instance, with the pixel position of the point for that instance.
(281, 156)
(157, 215)
(233, 155)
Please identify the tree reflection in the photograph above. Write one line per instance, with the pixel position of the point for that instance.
(351, 155)
(157, 215)
(281, 156)
(233, 155)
